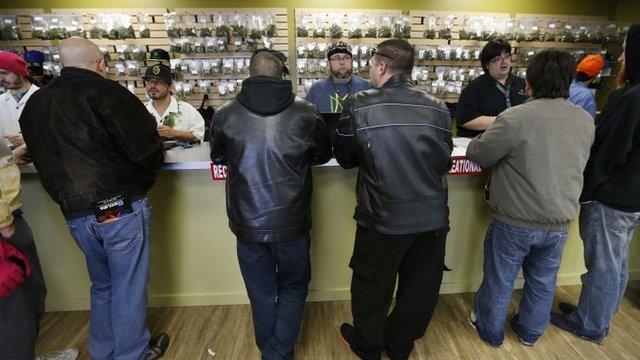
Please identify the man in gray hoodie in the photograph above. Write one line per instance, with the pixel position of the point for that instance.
(537, 152)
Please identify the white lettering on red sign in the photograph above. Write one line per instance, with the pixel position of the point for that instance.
(219, 172)
(464, 166)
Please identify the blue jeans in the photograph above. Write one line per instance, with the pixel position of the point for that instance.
(606, 234)
(277, 278)
(117, 256)
(508, 248)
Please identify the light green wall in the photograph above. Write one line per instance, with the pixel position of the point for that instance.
(193, 255)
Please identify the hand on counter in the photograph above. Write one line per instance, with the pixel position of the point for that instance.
(166, 132)
(173, 134)
(21, 155)
(15, 139)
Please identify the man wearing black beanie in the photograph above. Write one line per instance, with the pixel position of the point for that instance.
(610, 206)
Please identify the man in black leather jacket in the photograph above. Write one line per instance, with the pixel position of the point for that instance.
(400, 138)
(269, 139)
(96, 149)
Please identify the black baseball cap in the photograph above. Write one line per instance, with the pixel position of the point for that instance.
(339, 48)
(159, 54)
(160, 72)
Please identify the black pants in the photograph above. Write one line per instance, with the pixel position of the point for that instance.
(417, 260)
(21, 311)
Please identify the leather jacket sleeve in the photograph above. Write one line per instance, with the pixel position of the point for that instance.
(345, 147)
(218, 154)
(320, 146)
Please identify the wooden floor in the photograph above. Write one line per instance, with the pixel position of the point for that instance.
(227, 330)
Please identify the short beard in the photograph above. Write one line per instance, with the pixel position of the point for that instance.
(337, 75)
(158, 97)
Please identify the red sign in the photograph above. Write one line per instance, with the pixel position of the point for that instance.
(464, 166)
(461, 166)
(218, 172)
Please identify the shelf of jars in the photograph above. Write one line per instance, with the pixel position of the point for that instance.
(445, 42)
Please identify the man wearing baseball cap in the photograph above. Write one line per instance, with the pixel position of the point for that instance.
(177, 120)
(579, 93)
(329, 94)
(19, 86)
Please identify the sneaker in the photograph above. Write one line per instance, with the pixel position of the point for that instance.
(347, 333)
(157, 347)
(68, 354)
(473, 321)
(566, 308)
(562, 321)
(512, 323)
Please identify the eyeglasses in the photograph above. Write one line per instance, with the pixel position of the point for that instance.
(376, 52)
(155, 82)
(340, 58)
(503, 57)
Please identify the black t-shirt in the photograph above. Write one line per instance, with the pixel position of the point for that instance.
(483, 97)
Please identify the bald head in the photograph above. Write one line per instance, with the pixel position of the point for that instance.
(266, 64)
(80, 53)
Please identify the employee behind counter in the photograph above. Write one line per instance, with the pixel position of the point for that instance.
(177, 120)
(490, 94)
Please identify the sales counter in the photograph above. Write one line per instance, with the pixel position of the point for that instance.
(193, 252)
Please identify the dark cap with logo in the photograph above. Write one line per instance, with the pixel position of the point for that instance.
(339, 48)
(159, 72)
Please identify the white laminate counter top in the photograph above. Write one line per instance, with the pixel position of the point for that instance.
(197, 157)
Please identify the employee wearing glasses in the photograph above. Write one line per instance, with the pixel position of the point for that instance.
(329, 94)
(490, 94)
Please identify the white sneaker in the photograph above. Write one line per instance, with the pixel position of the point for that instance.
(68, 354)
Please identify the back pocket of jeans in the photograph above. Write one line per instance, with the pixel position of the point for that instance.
(512, 243)
(121, 234)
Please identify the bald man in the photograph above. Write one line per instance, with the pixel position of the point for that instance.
(269, 138)
(96, 149)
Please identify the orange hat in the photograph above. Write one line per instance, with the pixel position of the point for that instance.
(591, 65)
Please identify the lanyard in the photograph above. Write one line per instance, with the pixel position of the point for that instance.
(338, 91)
(505, 91)
(337, 99)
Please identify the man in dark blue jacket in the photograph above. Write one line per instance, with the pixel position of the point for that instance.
(610, 206)
(269, 139)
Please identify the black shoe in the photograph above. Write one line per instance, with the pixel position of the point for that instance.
(473, 321)
(394, 355)
(512, 323)
(566, 308)
(347, 334)
(562, 321)
(158, 346)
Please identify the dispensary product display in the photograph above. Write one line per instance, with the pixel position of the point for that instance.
(10, 28)
(352, 25)
(220, 31)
